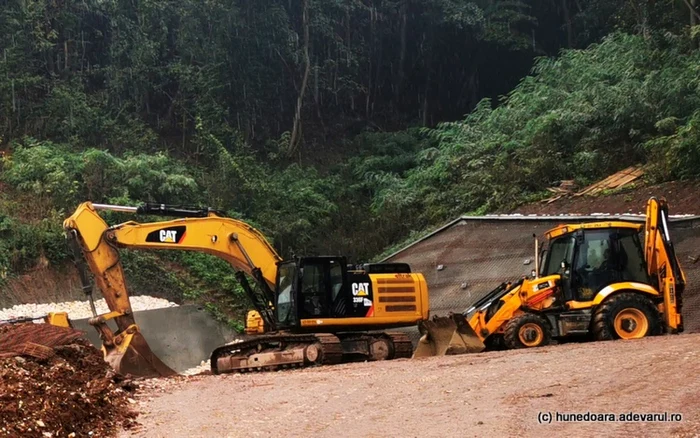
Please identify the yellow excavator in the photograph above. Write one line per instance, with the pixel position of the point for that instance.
(307, 311)
(597, 280)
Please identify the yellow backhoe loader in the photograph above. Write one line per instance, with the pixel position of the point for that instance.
(597, 280)
(308, 311)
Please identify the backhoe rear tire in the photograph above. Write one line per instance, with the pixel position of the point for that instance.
(526, 331)
(627, 315)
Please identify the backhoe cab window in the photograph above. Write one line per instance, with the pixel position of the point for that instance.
(560, 250)
(628, 245)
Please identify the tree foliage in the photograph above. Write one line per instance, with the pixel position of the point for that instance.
(583, 115)
(330, 124)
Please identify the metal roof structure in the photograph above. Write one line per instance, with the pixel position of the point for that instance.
(563, 218)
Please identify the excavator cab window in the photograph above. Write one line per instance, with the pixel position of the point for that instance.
(310, 288)
(286, 299)
(322, 287)
(314, 291)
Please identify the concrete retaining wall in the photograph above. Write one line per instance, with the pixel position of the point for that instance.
(180, 336)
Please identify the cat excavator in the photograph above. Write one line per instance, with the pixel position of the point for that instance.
(597, 280)
(307, 311)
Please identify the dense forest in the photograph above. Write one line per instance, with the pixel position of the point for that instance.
(334, 126)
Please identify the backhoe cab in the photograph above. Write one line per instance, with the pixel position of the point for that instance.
(599, 280)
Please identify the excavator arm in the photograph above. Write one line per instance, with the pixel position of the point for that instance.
(662, 264)
(97, 244)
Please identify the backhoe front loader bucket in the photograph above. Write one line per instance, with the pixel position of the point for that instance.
(447, 335)
(131, 354)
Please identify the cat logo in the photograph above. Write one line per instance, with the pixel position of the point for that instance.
(167, 235)
(360, 289)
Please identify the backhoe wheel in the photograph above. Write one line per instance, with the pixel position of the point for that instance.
(526, 331)
(626, 316)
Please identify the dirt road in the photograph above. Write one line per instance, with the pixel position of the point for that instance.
(487, 395)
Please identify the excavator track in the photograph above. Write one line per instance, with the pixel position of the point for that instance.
(375, 346)
(273, 352)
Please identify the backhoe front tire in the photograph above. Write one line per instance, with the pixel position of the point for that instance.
(626, 316)
(526, 331)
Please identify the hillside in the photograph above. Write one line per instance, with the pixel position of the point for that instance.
(302, 118)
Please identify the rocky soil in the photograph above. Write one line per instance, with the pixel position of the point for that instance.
(682, 197)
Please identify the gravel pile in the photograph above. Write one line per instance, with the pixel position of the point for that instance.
(80, 309)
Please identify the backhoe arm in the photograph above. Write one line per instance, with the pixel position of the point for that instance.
(234, 241)
(662, 264)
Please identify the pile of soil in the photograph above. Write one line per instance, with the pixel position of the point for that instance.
(73, 393)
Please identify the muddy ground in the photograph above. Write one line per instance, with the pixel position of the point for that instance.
(487, 395)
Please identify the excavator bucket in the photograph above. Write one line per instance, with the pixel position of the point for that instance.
(447, 335)
(136, 358)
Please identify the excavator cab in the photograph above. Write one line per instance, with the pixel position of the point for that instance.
(310, 287)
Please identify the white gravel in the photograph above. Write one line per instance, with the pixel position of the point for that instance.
(204, 366)
(80, 309)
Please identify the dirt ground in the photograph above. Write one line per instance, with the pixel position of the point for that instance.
(682, 198)
(487, 395)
